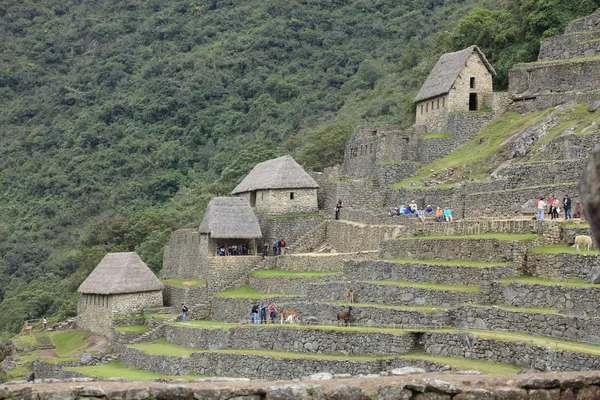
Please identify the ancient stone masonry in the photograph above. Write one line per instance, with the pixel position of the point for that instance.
(562, 265)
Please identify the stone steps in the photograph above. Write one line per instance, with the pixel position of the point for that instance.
(396, 293)
(434, 271)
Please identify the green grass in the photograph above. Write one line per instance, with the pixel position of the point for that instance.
(430, 286)
(58, 360)
(567, 60)
(116, 369)
(132, 328)
(247, 292)
(452, 263)
(184, 283)
(293, 216)
(500, 236)
(280, 273)
(18, 373)
(481, 155)
(25, 340)
(68, 342)
(437, 135)
(582, 225)
(521, 309)
(466, 363)
(561, 249)
(574, 115)
(161, 347)
(162, 316)
(537, 280)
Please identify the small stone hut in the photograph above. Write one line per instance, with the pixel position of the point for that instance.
(279, 186)
(459, 81)
(121, 284)
(229, 221)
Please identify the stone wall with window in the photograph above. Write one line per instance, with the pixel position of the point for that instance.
(286, 201)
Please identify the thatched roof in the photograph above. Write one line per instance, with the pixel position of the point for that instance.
(230, 218)
(120, 273)
(278, 173)
(446, 70)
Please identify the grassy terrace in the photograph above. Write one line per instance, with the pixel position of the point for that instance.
(537, 280)
(280, 273)
(184, 283)
(162, 347)
(132, 328)
(466, 363)
(247, 292)
(452, 263)
(583, 225)
(116, 369)
(561, 249)
(500, 236)
(65, 343)
(437, 135)
(521, 309)
(430, 286)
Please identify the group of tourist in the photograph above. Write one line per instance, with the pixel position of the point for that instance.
(261, 309)
(554, 205)
(278, 248)
(233, 250)
(441, 215)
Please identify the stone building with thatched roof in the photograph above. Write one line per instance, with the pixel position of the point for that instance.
(229, 221)
(279, 186)
(459, 81)
(121, 284)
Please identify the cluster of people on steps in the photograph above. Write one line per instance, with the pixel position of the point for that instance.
(278, 248)
(553, 206)
(441, 215)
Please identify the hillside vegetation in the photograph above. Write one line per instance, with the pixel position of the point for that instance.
(119, 120)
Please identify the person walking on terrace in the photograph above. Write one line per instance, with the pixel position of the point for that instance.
(272, 313)
(275, 246)
(577, 213)
(184, 311)
(556, 208)
(282, 247)
(263, 313)
(541, 206)
(338, 207)
(265, 251)
(255, 313)
(567, 206)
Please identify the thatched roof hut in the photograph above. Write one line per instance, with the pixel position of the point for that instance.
(120, 273)
(278, 173)
(230, 218)
(446, 71)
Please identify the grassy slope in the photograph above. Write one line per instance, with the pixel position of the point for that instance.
(549, 281)
(481, 155)
(561, 249)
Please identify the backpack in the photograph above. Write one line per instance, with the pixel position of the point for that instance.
(282, 244)
(185, 309)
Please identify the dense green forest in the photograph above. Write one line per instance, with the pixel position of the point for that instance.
(120, 119)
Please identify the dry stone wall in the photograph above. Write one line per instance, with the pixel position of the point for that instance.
(298, 340)
(575, 45)
(347, 237)
(260, 367)
(391, 294)
(589, 23)
(431, 149)
(531, 174)
(291, 228)
(182, 256)
(563, 265)
(322, 262)
(173, 296)
(489, 250)
(286, 201)
(129, 303)
(288, 285)
(559, 297)
(522, 354)
(417, 272)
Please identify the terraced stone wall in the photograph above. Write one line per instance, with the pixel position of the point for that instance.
(229, 272)
(326, 262)
(235, 310)
(347, 237)
(517, 353)
(173, 296)
(465, 125)
(431, 149)
(482, 226)
(562, 266)
(395, 171)
(370, 293)
(581, 76)
(288, 285)
(299, 340)
(589, 23)
(540, 324)
(417, 272)
(456, 249)
(260, 367)
(545, 101)
(575, 45)
(576, 298)
(567, 234)
(532, 174)
(571, 146)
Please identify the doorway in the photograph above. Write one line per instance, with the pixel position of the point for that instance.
(472, 101)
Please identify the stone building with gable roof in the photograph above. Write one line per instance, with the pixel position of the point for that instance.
(121, 284)
(279, 186)
(229, 221)
(459, 81)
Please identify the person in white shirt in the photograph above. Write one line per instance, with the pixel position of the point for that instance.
(540, 208)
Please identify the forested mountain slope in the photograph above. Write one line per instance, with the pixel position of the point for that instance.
(120, 119)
